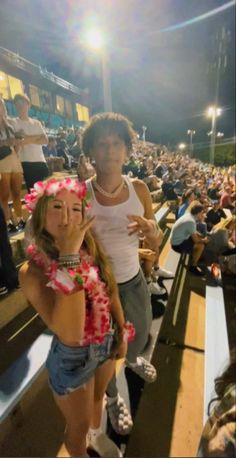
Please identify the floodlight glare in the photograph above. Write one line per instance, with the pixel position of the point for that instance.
(94, 38)
(213, 111)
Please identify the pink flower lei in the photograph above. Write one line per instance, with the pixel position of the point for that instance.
(52, 187)
(85, 276)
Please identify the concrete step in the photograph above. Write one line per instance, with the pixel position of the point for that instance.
(11, 306)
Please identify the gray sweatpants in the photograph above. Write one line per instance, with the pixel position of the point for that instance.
(135, 300)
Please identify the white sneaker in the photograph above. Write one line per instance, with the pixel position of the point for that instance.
(144, 369)
(154, 288)
(119, 416)
(163, 273)
(104, 446)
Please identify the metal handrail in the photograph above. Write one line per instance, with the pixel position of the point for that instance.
(26, 65)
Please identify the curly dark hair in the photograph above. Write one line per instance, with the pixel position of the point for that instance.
(107, 123)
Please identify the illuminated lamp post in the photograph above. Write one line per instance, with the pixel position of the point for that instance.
(191, 132)
(213, 112)
(95, 39)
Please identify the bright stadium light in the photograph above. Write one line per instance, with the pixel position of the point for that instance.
(213, 111)
(94, 38)
(182, 146)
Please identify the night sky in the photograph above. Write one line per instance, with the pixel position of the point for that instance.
(160, 78)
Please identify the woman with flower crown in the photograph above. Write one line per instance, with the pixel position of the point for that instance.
(69, 281)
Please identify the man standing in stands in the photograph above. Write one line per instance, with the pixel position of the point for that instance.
(123, 212)
(31, 153)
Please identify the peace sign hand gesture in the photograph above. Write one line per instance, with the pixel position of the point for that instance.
(140, 225)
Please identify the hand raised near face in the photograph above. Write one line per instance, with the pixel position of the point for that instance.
(71, 235)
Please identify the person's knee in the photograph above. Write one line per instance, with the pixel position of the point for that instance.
(78, 429)
(4, 194)
(15, 191)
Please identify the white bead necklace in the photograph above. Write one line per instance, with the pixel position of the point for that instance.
(111, 195)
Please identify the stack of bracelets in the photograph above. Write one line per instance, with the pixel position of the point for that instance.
(69, 260)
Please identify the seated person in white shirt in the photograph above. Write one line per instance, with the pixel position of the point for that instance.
(186, 239)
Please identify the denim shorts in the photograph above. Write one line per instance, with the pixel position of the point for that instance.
(71, 367)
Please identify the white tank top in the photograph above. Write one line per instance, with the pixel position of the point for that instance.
(110, 226)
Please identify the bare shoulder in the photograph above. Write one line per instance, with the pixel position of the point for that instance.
(30, 276)
(27, 269)
(140, 186)
(144, 197)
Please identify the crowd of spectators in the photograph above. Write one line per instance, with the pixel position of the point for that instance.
(201, 195)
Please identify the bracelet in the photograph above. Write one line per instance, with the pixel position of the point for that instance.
(69, 257)
(68, 263)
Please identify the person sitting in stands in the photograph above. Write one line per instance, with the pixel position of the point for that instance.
(85, 170)
(62, 151)
(186, 239)
(214, 215)
(181, 185)
(75, 150)
(50, 150)
(131, 166)
(213, 191)
(220, 239)
(226, 199)
(69, 281)
(187, 197)
(71, 137)
(145, 174)
(168, 187)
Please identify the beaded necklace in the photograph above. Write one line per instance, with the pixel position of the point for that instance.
(111, 195)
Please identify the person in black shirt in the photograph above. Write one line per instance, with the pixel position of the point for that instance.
(214, 191)
(168, 188)
(214, 215)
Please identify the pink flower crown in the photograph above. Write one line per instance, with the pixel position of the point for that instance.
(52, 187)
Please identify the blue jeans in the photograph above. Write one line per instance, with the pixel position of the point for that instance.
(71, 367)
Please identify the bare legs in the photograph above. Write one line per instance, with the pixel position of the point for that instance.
(83, 408)
(198, 249)
(10, 183)
(15, 186)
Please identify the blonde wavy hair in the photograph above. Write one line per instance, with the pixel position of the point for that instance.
(225, 223)
(46, 243)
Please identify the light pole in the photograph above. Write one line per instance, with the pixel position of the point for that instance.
(213, 112)
(144, 128)
(191, 132)
(95, 39)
